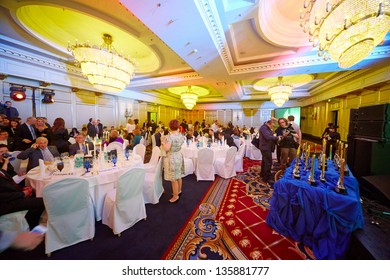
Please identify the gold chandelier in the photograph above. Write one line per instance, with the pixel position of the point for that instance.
(189, 98)
(105, 69)
(280, 92)
(345, 30)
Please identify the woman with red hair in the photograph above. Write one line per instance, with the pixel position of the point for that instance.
(173, 161)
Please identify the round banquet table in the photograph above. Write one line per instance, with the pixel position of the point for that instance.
(100, 182)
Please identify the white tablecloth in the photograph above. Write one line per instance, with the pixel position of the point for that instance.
(99, 182)
(254, 153)
(191, 151)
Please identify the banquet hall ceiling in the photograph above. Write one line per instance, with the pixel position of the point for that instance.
(233, 48)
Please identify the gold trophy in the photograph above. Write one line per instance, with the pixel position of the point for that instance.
(340, 183)
(307, 167)
(346, 170)
(311, 179)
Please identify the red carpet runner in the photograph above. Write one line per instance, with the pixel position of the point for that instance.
(230, 224)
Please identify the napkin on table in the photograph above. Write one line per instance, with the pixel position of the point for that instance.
(42, 167)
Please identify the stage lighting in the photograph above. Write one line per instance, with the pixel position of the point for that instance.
(17, 93)
(48, 96)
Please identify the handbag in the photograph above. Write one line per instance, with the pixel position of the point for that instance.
(256, 141)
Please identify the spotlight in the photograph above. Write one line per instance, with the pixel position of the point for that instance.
(48, 96)
(17, 93)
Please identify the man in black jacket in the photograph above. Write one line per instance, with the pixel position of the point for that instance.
(14, 198)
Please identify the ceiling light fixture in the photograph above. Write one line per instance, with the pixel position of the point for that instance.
(345, 30)
(48, 96)
(105, 69)
(189, 98)
(280, 92)
(17, 93)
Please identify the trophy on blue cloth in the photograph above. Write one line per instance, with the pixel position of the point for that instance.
(322, 161)
(297, 172)
(340, 183)
(311, 179)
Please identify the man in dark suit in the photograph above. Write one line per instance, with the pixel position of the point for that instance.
(100, 128)
(10, 111)
(157, 136)
(38, 151)
(14, 198)
(267, 146)
(80, 145)
(92, 130)
(4, 139)
(25, 134)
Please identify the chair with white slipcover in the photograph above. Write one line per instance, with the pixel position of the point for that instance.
(153, 187)
(70, 213)
(140, 149)
(15, 222)
(205, 165)
(125, 206)
(152, 164)
(239, 160)
(224, 167)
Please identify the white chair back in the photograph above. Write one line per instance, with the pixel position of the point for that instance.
(205, 165)
(15, 222)
(153, 187)
(224, 167)
(151, 165)
(115, 146)
(70, 212)
(239, 161)
(142, 141)
(140, 150)
(125, 206)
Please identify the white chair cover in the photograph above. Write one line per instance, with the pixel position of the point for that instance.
(142, 141)
(239, 160)
(224, 167)
(15, 222)
(16, 162)
(150, 167)
(125, 206)
(188, 167)
(205, 165)
(153, 188)
(70, 212)
(140, 150)
(115, 146)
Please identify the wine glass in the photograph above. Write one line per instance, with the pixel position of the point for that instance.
(114, 159)
(65, 155)
(127, 154)
(60, 165)
(87, 165)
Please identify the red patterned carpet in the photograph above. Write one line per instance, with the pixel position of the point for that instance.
(230, 224)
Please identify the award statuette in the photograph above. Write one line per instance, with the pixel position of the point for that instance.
(340, 183)
(323, 165)
(296, 172)
(346, 170)
(311, 179)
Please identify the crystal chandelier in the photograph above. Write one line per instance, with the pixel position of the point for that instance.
(280, 92)
(105, 69)
(189, 98)
(345, 30)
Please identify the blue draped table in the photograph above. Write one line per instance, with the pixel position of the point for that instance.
(316, 215)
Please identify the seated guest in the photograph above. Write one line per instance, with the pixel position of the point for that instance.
(190, 134)
(5, 165)
(73, 133)
(229, 140)
(4, 139)
(114, 137)
(14, 198)
(80, 145)
(39, 150)
(136, 139)
(42, 130)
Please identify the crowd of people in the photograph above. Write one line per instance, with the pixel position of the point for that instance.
(36, 139)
